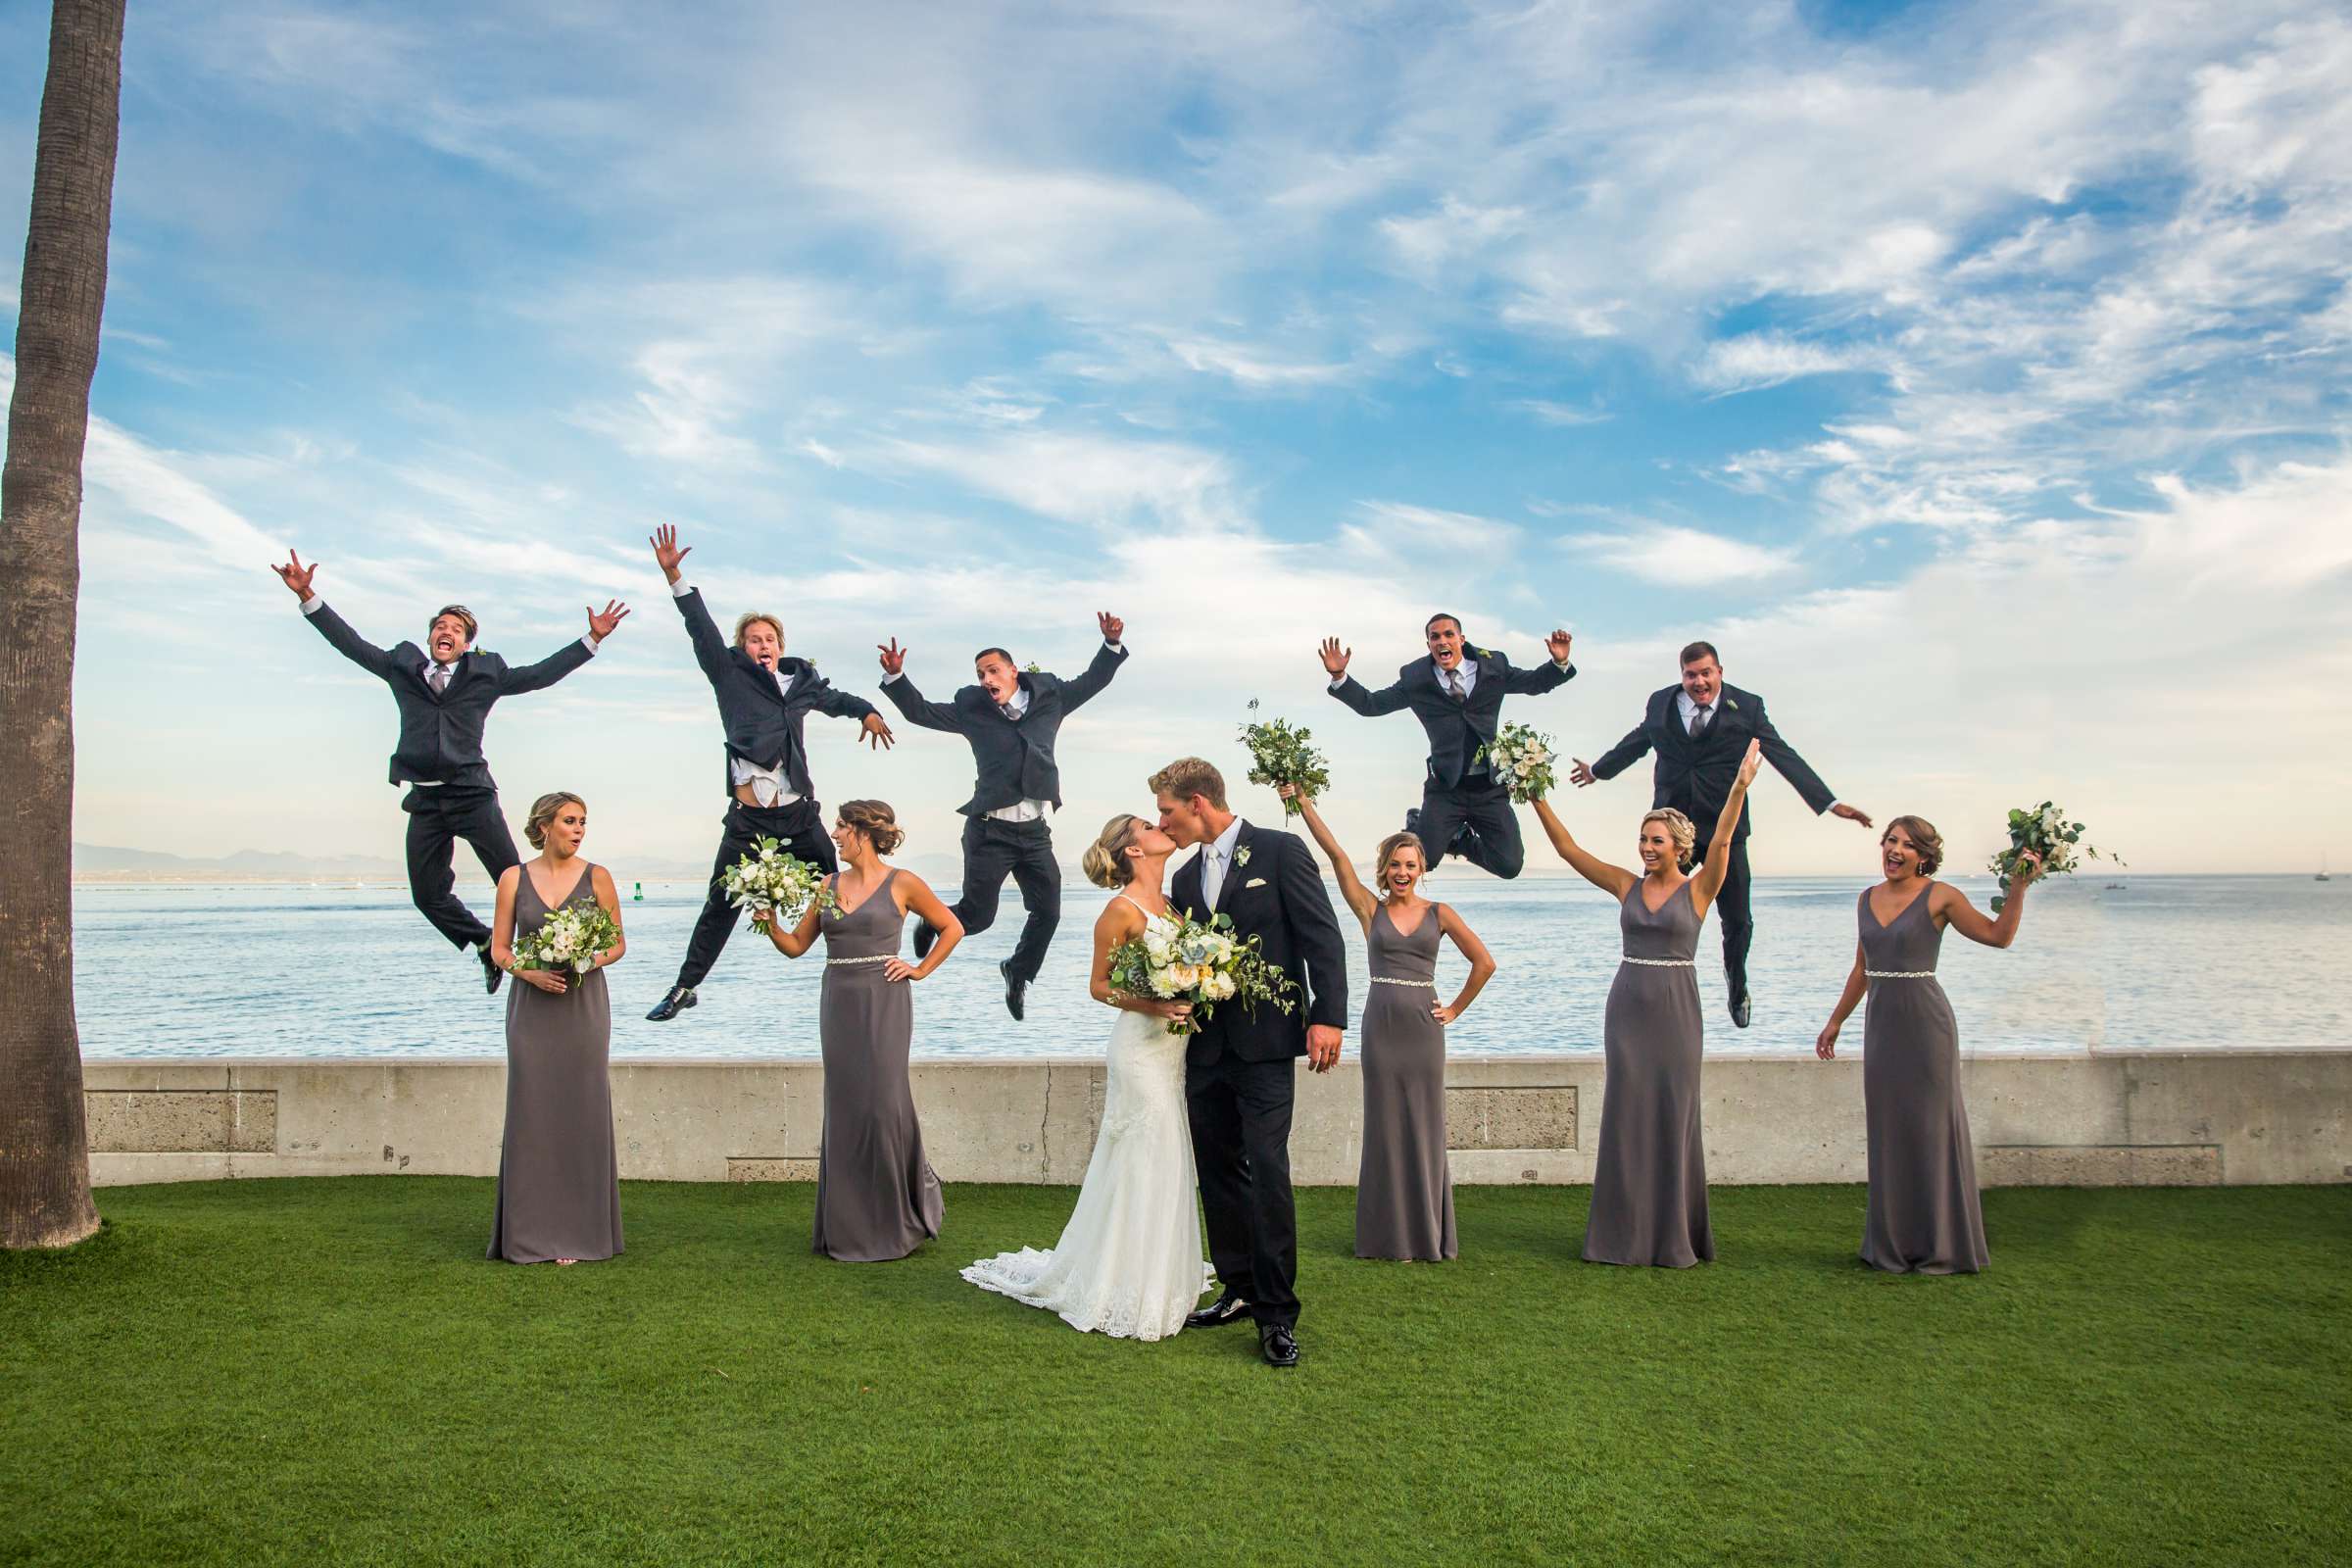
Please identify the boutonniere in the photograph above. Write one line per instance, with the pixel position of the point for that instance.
(1484, 653)
(1034, 667)
(1732, 703)
(1241, 857)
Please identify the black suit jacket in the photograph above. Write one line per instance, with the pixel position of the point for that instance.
(1278, 897)
(1014, 756)
(1695, 777)
(763, 719)
(441, 735)
(1456, 730)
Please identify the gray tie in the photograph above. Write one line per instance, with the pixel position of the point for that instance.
(1453, 685)
(1701, 718)
(1212, 875)
(1008, 710)
(438, 679)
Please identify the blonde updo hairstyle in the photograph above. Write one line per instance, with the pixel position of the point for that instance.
(1686, 835)
(876, 820)
(1387, 852)
(1105, 862)
(1923, 838)
(542, 812)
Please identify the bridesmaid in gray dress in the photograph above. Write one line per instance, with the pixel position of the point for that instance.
(1923, 1215)
(559, 1179)
(876, 1197)
(1649, 1174)
(1404, 1192)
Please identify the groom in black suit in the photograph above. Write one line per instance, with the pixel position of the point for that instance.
(1700, 730)
(444, 692)
(764, 699)
(1456, 692)
(1238, 1072)
(1011, 719)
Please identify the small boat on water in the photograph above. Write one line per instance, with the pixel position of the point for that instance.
(2323, 877)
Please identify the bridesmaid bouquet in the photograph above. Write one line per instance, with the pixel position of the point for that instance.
(1201, 963)
(569, 940)
(1279, 754)
(2045, 830)
(1521, 758)
(775, 886)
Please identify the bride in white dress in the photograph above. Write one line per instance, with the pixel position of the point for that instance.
(1128, 1264)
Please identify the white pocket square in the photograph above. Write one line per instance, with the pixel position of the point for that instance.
(1253, 882)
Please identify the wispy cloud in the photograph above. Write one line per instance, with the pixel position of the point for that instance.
(1665, 552)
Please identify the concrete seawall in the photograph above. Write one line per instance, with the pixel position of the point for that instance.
(2140, 1118)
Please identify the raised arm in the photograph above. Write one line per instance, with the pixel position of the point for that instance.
(1348, 689)
(1950, 907)
(1351, 886)
(915, 894)
(898, 687)
(1554, 672)
(1315, 933)
(1482, 962)
(339, 636)
(608, 896)
(1105, 664)
(1825, 1044)
(1708, 881)
(1614, 880)
(1120, 923)
(556, 665)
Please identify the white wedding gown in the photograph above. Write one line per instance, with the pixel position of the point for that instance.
(1129, 1261)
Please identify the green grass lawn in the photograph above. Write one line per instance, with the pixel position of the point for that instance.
(327, 1372)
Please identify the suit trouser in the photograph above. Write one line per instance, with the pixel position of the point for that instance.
(1495, 843)
(438, 817)
(1024, 851)
(1241, 1117)
(1739, 924)
(800, 827)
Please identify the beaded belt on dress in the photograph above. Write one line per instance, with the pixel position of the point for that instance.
(1900, 974)
(1661, 964)
(1384, 980)
(878, 958)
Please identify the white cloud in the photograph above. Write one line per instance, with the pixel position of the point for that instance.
(1561, 414)
(1672, 555)
(1767, 359)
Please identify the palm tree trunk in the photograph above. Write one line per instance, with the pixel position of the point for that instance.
(45, 1150)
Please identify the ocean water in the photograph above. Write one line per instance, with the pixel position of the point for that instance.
(281, 970)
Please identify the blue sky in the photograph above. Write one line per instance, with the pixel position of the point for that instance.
(1973, 375)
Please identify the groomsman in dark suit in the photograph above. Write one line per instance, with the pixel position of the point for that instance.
(1011, 719)
(1240, 1073)
(764, 699)
(1700, 731)
(444, 692)
(1457, 693)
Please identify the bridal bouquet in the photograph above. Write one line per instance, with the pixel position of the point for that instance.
(569, 940)
(1201, 963)
(2045, 830)
(775, 886)
(1521, 758)
(1279, 754)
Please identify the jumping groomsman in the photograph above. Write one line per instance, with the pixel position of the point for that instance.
(1700, 730)
(444, 692)
(1456, 692)
(763, 697)
(1011, 719)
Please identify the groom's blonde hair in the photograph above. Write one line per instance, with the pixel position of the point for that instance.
(1188, 776)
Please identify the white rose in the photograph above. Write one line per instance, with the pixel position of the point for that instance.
(1221, 988)
(1163, 984)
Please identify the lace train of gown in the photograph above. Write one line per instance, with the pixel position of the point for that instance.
(1128, 1264)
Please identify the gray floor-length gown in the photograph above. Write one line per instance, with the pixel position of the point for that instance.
(1922, 1214)
(558, 1178)
(1650, 1177)
(1404, 1192)
(876, 1197)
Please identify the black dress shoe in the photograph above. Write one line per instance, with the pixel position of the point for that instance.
(1013, 989)
(492, 974)
(925, 933)
(680, 998)
(1412, 820)
(1740, 1012)
(1277, 1345)
(1226, 1309)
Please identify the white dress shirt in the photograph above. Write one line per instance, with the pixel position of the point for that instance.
(310, 606)
(1216, 862)
(1030, 811)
